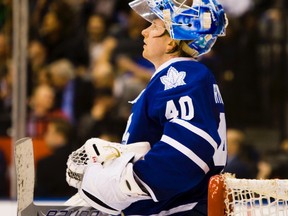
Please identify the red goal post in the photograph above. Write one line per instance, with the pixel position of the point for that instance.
(229, 196)
(216, 196)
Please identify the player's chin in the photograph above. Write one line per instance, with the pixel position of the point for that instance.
(146, 57)
(144, 53)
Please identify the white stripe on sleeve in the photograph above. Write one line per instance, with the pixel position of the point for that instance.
(186, 151)
(197, 131)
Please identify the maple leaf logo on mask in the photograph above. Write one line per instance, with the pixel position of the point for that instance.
(173, 78)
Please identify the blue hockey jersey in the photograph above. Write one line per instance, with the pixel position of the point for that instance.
(181, 114)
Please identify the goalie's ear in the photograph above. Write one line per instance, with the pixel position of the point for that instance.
(172, 46)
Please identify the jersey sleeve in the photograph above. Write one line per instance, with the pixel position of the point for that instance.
(193, 132)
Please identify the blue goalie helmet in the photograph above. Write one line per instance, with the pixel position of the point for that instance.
(197, 21)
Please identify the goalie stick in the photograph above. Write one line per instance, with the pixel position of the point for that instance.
(25, 173)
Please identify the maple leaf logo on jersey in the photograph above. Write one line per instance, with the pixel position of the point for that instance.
(173, 78)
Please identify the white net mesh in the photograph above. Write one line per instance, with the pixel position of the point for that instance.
(251, 197)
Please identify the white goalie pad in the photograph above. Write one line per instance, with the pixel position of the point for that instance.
(100, 151)
(111, 188)
(76, 200)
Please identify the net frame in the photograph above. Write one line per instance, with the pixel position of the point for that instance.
(229, 196)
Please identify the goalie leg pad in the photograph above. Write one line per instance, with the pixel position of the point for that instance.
(111, 188)
(76, 200)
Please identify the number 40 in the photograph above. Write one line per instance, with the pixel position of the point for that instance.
(186, 109)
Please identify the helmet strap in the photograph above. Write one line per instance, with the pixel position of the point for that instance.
(167, 19)
(185, 47)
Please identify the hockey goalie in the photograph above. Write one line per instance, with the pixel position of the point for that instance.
(175, 138)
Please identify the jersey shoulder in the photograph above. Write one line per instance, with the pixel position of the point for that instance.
(195, 71)
(181, 76)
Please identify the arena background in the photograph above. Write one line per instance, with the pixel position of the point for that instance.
(249, 64)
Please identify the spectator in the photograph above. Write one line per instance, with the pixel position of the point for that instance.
(103, 118)
(37, 55)
(126, 64)
(242, 158)
(50, 173)
(74, 94)
(284, 145)
(37, 10)
(4, 51)
(273, 164)
(97, 28)
(105, 7)
(3, 176)
(6, 100)
(41, 109)
(103, 76)
(124, 52)
(53, 35)
(56, 32)
(5, 85)
(129, 44)
(101, 121)
(5, 15)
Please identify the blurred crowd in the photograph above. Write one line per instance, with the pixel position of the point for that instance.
(245, 161)
(85, 63)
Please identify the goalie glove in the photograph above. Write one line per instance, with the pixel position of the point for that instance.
(111, 188)
(100, 151)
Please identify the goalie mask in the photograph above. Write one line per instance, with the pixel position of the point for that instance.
(198, 21)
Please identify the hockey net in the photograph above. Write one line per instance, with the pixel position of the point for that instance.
(247, 197)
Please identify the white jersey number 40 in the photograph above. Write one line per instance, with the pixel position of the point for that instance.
(186, 109)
